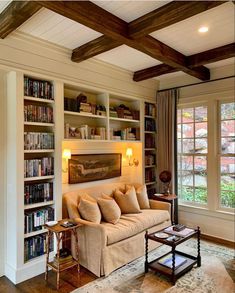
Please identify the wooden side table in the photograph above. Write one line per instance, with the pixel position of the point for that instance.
(172, 199)
(60, 233)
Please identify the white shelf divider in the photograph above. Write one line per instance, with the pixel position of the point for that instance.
(35, 233)
(28, 98)
(39, 151)
(39, 178)
(39, 204)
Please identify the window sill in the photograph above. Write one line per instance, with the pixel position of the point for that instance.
(225, 215)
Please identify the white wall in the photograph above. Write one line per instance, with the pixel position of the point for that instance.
(2, 168)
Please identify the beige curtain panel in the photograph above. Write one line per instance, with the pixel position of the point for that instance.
(167, 136)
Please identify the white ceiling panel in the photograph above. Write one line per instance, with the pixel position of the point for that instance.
(57, 29)
(222, 63)
(4, 4)
(130, 10)
(185, 38)
(127, 58)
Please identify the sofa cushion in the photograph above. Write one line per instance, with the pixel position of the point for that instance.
(109, 209)
(132, 224)
(89, 210)
(141, 194)
(127, 202)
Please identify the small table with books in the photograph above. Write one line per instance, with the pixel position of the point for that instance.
(174, 263)
(63, 259)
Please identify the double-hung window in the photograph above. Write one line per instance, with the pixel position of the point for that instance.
(192, 154)
(226, 154)
(207, 179)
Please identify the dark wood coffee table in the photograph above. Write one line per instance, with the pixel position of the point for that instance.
(173, 272)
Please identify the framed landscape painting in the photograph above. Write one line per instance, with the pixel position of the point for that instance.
(92, 167)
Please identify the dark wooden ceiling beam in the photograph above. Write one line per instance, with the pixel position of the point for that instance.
(93, 48)
(153, 71)
(213, 55)
(95, 17)
(152, 21)
(167, 15)
(15, 14)
(193, 61)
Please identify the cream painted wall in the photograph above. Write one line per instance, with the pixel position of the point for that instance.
(2, 168)
(129, 173)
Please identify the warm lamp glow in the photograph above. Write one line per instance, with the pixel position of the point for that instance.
(66, 154)
(129, 153)
(203, 29)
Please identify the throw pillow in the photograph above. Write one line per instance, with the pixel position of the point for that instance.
(89, 210)
(109, 209)
(141, 194)
(127, 202)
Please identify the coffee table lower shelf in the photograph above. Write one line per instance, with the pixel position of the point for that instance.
(178, 272)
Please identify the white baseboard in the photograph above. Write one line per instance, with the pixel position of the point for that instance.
(29, 270)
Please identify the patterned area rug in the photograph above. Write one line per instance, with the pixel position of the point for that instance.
(217, 274)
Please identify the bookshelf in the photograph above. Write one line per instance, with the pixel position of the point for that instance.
(93, 115)
(39, 149)
(33, 170)
(150, 147)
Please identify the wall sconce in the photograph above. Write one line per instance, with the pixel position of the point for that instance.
(66, 156)
(129, 154)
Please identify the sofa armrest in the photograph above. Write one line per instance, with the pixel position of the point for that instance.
(160, 205)
(94, 230)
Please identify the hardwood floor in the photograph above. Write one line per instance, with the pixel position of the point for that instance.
(68, 282)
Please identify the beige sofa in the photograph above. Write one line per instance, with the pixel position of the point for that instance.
(105, 247)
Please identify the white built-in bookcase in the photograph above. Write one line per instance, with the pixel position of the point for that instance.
(16, 269)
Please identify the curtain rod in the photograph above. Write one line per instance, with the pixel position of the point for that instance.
(192, 84)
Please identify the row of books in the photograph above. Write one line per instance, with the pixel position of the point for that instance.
(129, 133)
(34, 220)
(150, 109)
(39, 167)
(35, 193)
(75, 105)
(149, 124)
(38, 88)
(149, 140)
(126, 113)
(149, 175)
(36, 113)
(149, 159)
(36, 246)
(84, 132)
(38, 140)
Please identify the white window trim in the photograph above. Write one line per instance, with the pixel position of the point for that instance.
(213, 205)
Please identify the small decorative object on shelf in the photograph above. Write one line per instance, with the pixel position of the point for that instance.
(165, 177)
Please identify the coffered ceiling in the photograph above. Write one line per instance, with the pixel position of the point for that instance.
(182, 36)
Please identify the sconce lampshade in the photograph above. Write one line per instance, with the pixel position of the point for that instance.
(67, 154)
(129, 152)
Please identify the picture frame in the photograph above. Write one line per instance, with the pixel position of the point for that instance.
(92, 167)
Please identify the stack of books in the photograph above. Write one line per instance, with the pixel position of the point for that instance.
(63, 260)
(167, 261)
